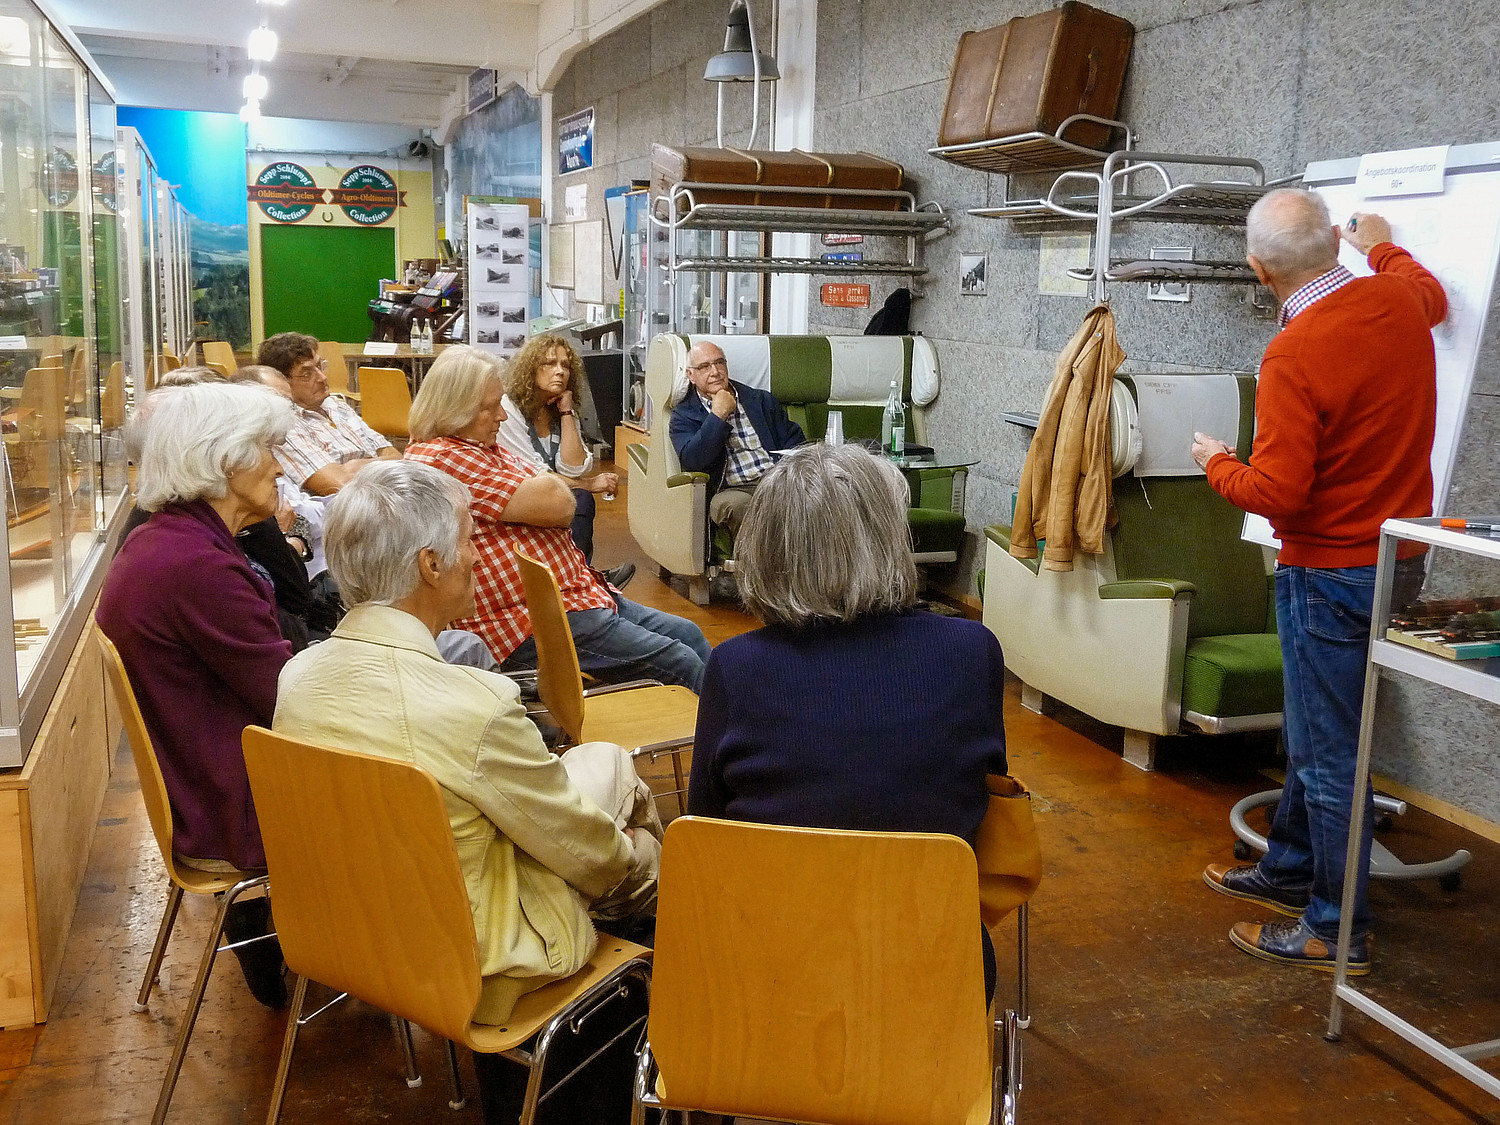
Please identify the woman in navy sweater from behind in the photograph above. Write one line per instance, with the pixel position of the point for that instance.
(850, 709)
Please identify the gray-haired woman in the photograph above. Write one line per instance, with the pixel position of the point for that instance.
(850, 709)
(196, 626)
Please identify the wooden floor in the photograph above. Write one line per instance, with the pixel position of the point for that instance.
(1142, 1010)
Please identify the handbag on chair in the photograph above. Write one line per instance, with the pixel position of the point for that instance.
(1009, 854)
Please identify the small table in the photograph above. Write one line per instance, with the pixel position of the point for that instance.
(356, 356)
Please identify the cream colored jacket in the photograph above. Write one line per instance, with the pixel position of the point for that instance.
(534, 851)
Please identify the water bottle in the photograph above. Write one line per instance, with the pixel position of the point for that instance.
(893, 424)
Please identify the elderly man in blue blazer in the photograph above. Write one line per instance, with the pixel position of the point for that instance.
(729, 431)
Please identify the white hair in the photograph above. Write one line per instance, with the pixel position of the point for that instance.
(382, 520)
(1289, 232)
(826, 539)
(194, 437)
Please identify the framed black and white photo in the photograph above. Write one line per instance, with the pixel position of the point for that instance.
(971, 273)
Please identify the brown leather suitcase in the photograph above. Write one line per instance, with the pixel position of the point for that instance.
(670, 165)
(770, 170)
(1034, 72)
(862, 170)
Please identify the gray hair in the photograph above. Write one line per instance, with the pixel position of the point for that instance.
(826, 539)
(452, 391)
(1289, 231)
(196, 436)
(134, 433)
(382, 520)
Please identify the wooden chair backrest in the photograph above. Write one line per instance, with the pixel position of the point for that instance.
(813, 975)
(153, 786)
(78, 377)
(43, 397)
(333, 353)
(559, 681)
(112, 398)
(370, 899)
(217, 354)
(385, 402)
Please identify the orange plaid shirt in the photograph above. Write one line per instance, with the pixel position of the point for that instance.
(492, 475)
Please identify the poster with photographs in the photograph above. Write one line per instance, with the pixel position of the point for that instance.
(499, 276)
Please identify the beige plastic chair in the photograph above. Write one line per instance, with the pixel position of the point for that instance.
(231, 884)
(219, 356)
(370, 900)
(385, 401)
(825, 977)
(332, 353)
(646, 717)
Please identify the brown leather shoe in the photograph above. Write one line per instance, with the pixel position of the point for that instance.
(1292, 943)
(1246, 882)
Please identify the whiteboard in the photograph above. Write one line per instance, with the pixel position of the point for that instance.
(1456, 235)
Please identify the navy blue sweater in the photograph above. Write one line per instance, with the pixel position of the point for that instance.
(889, 724)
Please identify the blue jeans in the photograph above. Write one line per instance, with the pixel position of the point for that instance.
(627, 642)
(1323, 618)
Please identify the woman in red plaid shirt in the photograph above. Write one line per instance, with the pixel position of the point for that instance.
(454, 419)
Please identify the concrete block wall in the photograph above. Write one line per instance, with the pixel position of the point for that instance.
(1283, 81)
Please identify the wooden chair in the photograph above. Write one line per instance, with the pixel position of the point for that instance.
(370, 900)
(231, 884)
(644, 716)
(385, 401)
(112, 398)
(219, 356)
(819, 976)
(332, 353)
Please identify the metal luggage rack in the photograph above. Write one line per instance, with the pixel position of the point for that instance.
(1154, 269)
(906, 219)
(1033, 152)
(1117, 197)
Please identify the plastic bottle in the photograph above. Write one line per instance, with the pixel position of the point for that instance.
(421, 341)
(893, 424)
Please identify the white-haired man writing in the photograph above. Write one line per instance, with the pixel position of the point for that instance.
(1344, 418)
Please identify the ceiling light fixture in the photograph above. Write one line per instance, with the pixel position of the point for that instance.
(741, 60)
(250, 111)
(256, 87)
(262, 46)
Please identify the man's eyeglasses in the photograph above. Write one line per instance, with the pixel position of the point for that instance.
(310, 369)
(709, 365)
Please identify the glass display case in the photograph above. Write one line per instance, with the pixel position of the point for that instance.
(687, 301)
(62, 342)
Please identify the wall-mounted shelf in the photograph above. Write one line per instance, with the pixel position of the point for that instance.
(1117, 197)
(1033, 152)
(897, 216)
(1154, 269)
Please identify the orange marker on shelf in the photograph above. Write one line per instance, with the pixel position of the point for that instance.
(1470, 525)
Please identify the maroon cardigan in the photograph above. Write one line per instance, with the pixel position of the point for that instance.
(196, 628)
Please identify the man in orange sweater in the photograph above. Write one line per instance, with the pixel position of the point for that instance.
(1344, 418)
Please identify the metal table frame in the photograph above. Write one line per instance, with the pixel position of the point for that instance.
(1456, 676)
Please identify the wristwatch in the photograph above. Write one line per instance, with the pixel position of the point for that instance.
(566, 413)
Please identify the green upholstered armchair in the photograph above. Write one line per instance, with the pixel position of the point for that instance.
(1172, 627)
(809, 375)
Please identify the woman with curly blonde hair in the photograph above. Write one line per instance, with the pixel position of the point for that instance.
(542, 385)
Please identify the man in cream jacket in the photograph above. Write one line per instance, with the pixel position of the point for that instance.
(544, 842)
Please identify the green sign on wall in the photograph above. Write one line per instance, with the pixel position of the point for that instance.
(368, 195)
(285, 192)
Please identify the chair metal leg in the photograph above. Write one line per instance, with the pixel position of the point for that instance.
(190, 1015)
(288, 1045)
(1023, 967)
(454, 1081)
(677, 778)
(1008, 1097)
(163, 933)
(409, 1056)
